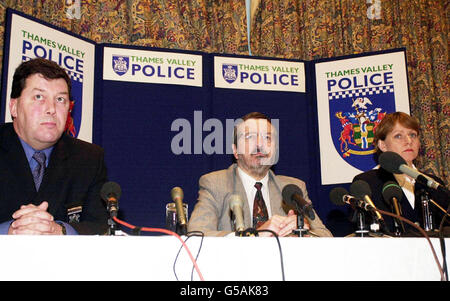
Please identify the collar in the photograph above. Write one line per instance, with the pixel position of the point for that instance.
(404, 180)
(29, 151)
(249, 181)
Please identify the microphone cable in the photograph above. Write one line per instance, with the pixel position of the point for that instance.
(441, 236)
(279, 248)
(189, 235)
(440, 208)
(422, 231)
(442, 242)
(158, 230)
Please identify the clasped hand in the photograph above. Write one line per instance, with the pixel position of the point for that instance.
(32, 219)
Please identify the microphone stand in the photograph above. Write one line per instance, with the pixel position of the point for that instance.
(399, 228)
(361, 230)
(112, 207)
(181, 229)
(361, 223)
(426, 212)
(300, 231)
(397, 231)
(112, 226)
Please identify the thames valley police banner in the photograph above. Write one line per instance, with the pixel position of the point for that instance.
(28, 38)
(353, 95)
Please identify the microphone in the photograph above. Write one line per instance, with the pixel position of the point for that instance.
(361, 190)
(293, 196)
(392, 195)
(111, 193)
(340, 196)
(177, 197)
(394, 163)
(236, 205)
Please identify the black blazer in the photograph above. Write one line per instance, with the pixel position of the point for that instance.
(74, 176)
(376, 178)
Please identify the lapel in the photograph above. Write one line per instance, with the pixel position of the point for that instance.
(275, 195)
(14, 152)
(240, 190)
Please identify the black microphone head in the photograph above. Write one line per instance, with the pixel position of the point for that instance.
(288, 192)
(391, 162)
(293, 197)
(110, 189)
(337, 195)
(359, 189)
(391, 190)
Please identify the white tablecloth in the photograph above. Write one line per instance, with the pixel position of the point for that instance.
(221, 258)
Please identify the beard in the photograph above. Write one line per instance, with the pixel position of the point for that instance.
(255, 164)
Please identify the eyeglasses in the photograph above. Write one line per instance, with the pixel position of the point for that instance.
(253, 136)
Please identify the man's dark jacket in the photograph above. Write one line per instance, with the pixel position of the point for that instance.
(72, 182)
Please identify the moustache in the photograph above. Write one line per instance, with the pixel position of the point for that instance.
(259, 152)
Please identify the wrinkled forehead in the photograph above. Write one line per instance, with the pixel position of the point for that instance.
(256, 126)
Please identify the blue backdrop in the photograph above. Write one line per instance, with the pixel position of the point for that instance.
(133, 124)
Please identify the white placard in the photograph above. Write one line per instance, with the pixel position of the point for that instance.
(145, 66)
(257, 74)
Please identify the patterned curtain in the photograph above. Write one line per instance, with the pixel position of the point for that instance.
(312, 29)
(203, 25)
(300, 29)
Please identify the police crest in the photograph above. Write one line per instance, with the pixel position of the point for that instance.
(120, 64)
(354, 117)
(229, 72)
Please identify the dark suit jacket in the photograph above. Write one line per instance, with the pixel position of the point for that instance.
(376, 178)
(73, 178)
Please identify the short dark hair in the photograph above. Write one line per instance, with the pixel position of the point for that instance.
(48, 69)
(252, 115)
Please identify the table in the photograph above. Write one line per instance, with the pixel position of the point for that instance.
(221, 258)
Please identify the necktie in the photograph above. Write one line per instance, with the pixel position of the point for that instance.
(38, 172)
(260, 215)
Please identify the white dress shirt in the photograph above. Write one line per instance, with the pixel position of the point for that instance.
(250, 189)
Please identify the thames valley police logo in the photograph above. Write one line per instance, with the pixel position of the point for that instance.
(229, 72)
(354, 117)
(120, 64)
